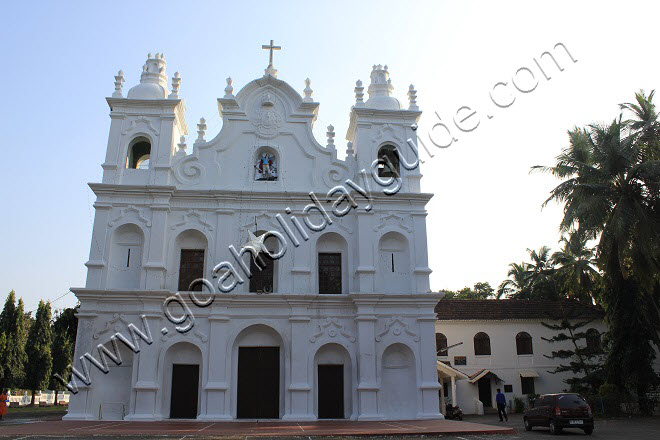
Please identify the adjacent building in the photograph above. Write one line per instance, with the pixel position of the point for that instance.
(483, 345)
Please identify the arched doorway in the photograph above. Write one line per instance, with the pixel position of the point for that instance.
(259, 373)
(181, 381)
(332, 375)
(399, 383)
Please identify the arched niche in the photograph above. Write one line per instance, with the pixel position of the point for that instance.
(266, 165)
(333, 379)
(190, 259)
(258, 372)
(138, 153)
(394, 274)
(125, 259)
(331, 264)
(398, 388)
(179, 384)
(113, 389)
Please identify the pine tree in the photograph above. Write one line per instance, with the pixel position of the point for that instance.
(39, 356)
(12, 353)
(62, 347)
(585, 362)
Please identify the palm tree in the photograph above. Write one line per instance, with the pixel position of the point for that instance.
(542, 275)
(517, 284)
(576, 272)
(611, 193)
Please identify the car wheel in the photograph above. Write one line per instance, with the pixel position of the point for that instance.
(554, 429)
(528, 426)
(588, 431)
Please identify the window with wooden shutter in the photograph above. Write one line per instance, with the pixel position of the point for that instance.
(330, 273)
(190, 269)
(524, 343)
(481, 344)
(440, 344)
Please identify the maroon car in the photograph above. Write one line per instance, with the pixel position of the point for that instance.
(559, 411)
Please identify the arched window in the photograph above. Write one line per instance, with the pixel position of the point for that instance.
(481, 344)
(332, 256)
(263, 267)
(138, 154)
(524, 343)
(440, 344)
(192, 251)
(388, 161)
(593, 340)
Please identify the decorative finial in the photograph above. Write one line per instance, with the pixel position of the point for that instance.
(229, 90)
(349, 149)
(119, 84)
(181, 150)
(412, 98)
(308, 91)
(149, 56)
(359, 93)
(331, 136)
(176, 83)
(270, 70)
(201, 129)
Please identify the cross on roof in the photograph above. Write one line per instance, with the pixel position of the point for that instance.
(271, 48)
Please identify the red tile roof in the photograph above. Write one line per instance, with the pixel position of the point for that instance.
(500, 309)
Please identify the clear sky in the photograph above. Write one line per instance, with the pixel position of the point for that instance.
(58, 60)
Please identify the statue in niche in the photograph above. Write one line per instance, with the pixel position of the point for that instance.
(266, 167)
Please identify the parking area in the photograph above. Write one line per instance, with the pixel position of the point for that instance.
(638, 428)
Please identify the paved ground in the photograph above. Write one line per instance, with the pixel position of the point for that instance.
(35, 427)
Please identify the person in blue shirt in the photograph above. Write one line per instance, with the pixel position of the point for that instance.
(501, 405)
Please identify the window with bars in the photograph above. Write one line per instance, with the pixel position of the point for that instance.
(527, 384)
(481, 344)
(524, 343)
(191, 268)
(329, 273)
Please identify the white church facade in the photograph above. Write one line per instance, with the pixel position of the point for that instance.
(321, 305)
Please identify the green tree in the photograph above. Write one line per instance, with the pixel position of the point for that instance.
(542, 275)
(584, 361)
(62, 347)
(39, 356)
(576, 272)
(534, 280)
(13, 329)
(517, 285)
(481, 290)
(611, 192)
